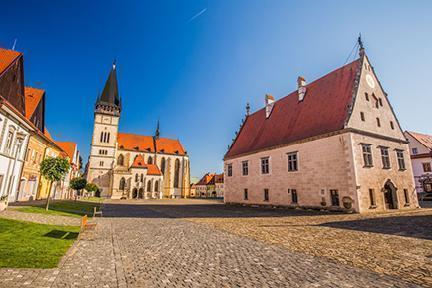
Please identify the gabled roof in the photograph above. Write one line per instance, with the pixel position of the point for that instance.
(206, 179)
(32, 98)
(143, 143)
(324, 109)
(219, 178)
(152, 169)
(69, 148)
(425, 140)
(110, 94)
(7, 57)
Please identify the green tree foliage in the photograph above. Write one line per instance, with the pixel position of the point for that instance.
(53, 169)
(78, 183)
(91, 187)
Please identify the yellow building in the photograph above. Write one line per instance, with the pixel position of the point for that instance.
(41, 145)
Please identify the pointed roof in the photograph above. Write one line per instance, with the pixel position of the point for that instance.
(152, 169)
(127, 141)
(7, 57)
(425, 140)
(69, 148)
(324, 109)
(32, 98)
(110, 94)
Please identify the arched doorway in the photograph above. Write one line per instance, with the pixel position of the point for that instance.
(390, 195)
(141, 193)
(134, 193)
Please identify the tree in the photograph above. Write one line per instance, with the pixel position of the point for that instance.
(91, 187)
(53, 169)
(78, 183)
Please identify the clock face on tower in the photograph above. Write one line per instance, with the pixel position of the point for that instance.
(370, 81)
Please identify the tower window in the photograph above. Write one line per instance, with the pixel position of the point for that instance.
(378, 122)
(362, 116)
(367, 96)
(380, 102)
(391, 125)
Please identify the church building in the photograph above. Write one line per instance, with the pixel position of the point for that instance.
(127, 165)
(334, 143)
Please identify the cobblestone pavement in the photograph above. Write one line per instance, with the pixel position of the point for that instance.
(11, 213)
(153, 244)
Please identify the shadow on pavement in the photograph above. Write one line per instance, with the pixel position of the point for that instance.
(415, 226)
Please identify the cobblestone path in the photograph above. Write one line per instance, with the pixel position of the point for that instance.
(143, 246)
(12, 213)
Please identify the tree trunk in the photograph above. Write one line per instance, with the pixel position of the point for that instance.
(48, 198)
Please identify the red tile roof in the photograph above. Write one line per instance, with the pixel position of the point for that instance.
(69, 148)
(424, 139)
(152, 169)
(143, 143)
(323, 110)
(7, 57)
(206, 179)
(32, 98)
(219, 178)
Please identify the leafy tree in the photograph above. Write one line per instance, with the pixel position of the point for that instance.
(78, 183)
(91, 187)
(53, 169)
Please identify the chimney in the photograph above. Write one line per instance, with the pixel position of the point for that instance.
(301, 88)
(269, 103)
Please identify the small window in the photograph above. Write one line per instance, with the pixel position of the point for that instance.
(245, 168)
(229, 170)
(334, 194)
(378, 122)
(265, 165)
(380, 102)
(142, 178)
(372, 198)
(101, 163)
(427, 167)
(362, 116)
(245, 194)
(401, 160)
(266, 195)
(293, 192)
(292, 161)
(392, 125)
(136, 178)
(367, 155)
(9, 140)
(414, 151)
(406, 195)
(367, 96)
(385, 157)
(376, 103)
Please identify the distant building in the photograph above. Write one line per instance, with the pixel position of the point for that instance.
(421, 157)
(334, 143)
(128, 165)
(211, 185)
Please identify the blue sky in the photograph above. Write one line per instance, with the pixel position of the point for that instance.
(196, 73)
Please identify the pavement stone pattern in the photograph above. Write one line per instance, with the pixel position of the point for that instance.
(160, 244)
(12, 213)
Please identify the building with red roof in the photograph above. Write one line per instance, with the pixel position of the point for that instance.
(211, 185)
(334, 143)
(421, 159)
(126, 165)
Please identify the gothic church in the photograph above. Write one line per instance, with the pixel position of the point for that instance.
(127, 165)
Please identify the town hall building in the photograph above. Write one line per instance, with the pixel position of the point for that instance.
(334, 143)
(127, 165)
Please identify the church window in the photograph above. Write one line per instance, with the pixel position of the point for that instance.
(163, 165)
(378, 122)
(108, 137)
(176, 173)
(122, 183)
(120, 160)
(380, 102)
(101, 136)
(362, 116)
(157, 186)
(150, 160)
(136, 178)
(142, 178)
(101, 163)
(149, 186)
(391, 125)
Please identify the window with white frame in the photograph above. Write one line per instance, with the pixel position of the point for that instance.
(245, 168)
(265, 165)
(292, 161)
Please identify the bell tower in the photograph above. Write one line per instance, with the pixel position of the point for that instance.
(104, 140)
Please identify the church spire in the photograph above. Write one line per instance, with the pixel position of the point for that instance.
(157, 132)
(110, 94)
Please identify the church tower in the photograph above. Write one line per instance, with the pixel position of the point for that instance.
(103, 145)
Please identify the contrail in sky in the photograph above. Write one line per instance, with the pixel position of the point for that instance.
(197, 15)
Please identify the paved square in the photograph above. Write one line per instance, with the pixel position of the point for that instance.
(194, 243)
